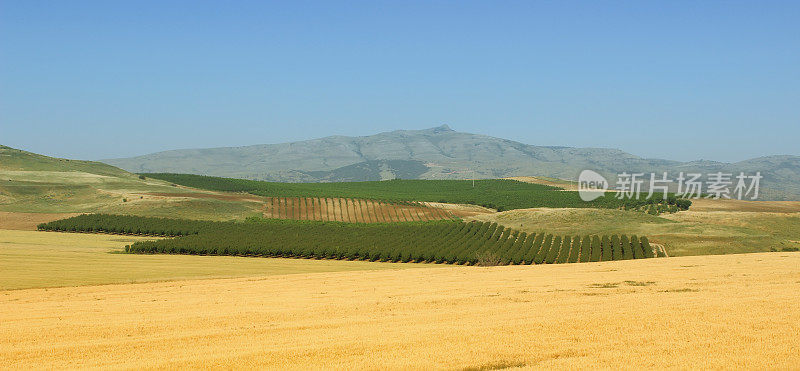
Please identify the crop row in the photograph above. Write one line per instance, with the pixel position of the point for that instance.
(441, 241)
(500, 194)
(350, 210)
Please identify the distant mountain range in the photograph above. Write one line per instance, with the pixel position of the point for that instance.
(439, 153)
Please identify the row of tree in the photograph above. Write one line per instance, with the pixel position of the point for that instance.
(499, 194)
(441, 241)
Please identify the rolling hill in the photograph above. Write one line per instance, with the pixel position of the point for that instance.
(34, 183)
(18, 160)
(438, 153)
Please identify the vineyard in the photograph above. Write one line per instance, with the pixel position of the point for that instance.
(436, 241)
(499, 194)
(351, 210)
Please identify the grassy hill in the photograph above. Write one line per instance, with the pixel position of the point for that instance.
(31, 182)
(18, 160)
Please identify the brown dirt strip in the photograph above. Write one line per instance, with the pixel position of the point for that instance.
(29, 221)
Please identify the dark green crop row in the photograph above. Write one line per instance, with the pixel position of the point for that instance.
(500, 194)
(440, 242)
(125, 224)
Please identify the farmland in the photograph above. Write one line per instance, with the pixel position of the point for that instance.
(715, 312)
(351, 210)
(440, 242)
(399, 185)
(728, 228)
(31, 259)
(237, 294)
(500, 194)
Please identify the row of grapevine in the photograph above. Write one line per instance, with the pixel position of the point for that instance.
(440, 241)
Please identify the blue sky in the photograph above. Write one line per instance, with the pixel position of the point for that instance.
(679, 80)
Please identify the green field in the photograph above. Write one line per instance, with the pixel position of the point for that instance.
(440, 242)
(500, 194)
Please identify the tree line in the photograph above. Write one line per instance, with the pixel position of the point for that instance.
(448, 241)
(498, 194)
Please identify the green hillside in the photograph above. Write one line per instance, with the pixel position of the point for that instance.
(18, 160)
(36, 183)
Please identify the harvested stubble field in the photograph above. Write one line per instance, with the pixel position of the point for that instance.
(735, 311)
(351, 210)
(30, 259)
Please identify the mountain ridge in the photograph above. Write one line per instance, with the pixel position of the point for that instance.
(446, 153)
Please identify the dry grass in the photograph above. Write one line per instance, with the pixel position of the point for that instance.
(49, 259)
(735, 311)
(567, 185)
(461, 210)
(81, 192)
(209, 194)
(746, 206)
(684, 233)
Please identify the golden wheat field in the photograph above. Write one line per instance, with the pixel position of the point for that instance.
(734, 311)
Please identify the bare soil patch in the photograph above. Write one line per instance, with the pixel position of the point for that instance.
(29, 221)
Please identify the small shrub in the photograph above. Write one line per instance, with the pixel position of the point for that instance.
(488, 259)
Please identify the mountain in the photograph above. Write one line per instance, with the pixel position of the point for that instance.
(437, 153)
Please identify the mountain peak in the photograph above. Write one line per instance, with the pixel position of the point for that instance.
(440, 129)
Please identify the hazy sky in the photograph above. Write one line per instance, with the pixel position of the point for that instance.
(674, 79)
